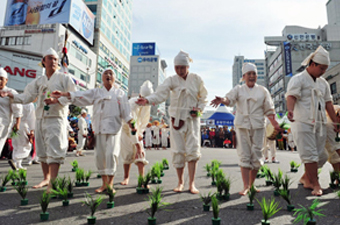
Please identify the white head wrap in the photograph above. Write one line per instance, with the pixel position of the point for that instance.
(320, 56)
(248, 67)
(51, 51)
(146, 89)
(107, 69)
(83, 111)
(182, 59)
(3, 73)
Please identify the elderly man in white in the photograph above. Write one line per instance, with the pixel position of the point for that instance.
(21, 144)
(50, 136)
(253, 102)
(308, 95)
(110, 105)
(82, 133)
(8, 111)
(188, 97)
(132, 144)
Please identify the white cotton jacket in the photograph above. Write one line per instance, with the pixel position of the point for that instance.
(252, 105)
(41, 87)
(8, 110)
(311, 97)
(109, 108)
(184, 95)
(82, 126)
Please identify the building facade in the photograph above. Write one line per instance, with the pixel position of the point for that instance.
(152, 68)
(237, 70)
(112, 38)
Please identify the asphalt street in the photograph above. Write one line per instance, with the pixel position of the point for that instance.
(184, 208)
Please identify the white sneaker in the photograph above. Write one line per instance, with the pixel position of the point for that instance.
(30, 163)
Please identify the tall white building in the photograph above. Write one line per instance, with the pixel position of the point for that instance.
(237, 70)
(112, 38)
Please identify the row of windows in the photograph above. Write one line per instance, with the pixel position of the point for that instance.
(79, 55)
(275, 62)
(112, 57)
(79, 74)
(19, 40)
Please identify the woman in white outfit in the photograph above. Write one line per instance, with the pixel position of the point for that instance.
(8, 111)
(110, 106)
(21, 144)
(148, 136)
(132, 144)
(156, 139)
(253, 102)
(165, 132)
(82, 133)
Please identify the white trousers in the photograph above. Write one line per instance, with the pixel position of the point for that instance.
(185, 142)
(249, 147)
(51, 140)
(81, 142)
(128, 149)
(164, 140)
(310, 145)
(148, 140)
(331, 145)
(271, 145)
(21, 145)
(107, 150)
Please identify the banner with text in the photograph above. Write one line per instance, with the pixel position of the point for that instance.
(288, 59)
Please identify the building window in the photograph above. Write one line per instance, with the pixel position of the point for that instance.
(27, 40)
(99, 77)
(333, 88)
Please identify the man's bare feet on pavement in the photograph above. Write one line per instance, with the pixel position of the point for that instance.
(43, 183)
(101, 189)
(179, 188)
(125, 181)
(193, 190)
(244, 191)
(306, 183)
(317, 191)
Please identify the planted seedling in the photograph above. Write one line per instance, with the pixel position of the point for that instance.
(87, 177)
(294, 166)
(251, 195)
(308, 214)
(286, 183)
(93, 205)
(75, 165)
(22, 190)
(207, 167)
(156, 203)
(22, 176)
(206, 199)
(288, 198)
(139, 188)
(69, 186)
(216, 210)
(277, 182)
(5, 179)
(44, 201)
(269, 208)
(79, 177)
(269, 175)
(15, 178)
(111, 194)
(165, 163)
(63, 193)
(146, 181)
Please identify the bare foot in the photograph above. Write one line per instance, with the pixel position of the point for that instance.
(101, 189)
(179, 188)
(125, 181)
(43, 183)
(244, 191)
(317, 191)
(194, 190)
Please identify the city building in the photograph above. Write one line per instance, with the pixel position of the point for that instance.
(295, 44)
(237, 70)
(333, 78)
(146, 64)
(112, 37)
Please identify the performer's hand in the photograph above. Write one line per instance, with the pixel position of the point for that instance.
(16, 127)
(142, 101)
(50, 101)
(5, 94)
(140, 138)
(217, 101)
(290, 116)
(277, 127)
(57, 94)
(140, 152)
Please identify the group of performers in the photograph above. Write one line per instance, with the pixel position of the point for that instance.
(119, 123)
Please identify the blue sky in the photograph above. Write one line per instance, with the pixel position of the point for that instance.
(215, 31)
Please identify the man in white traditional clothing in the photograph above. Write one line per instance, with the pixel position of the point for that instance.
(269, 145)
(253, 102)
(51, 115)
(188, 97)
(111, 106)
(308, 95)
(148, 136)
(332, 143)
(132, 144)
(82, 133)
(22, 145)
(8, 111)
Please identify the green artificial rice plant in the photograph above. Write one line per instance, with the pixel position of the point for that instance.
(308, 213)
(269, 208)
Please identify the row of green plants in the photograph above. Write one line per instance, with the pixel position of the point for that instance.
(17, 177)
(212, 168)
(82, 177)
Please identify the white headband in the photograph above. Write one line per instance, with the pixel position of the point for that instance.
(51, 51)
(3, 73)
(320, 56)
(248, 67)
(146, 89)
